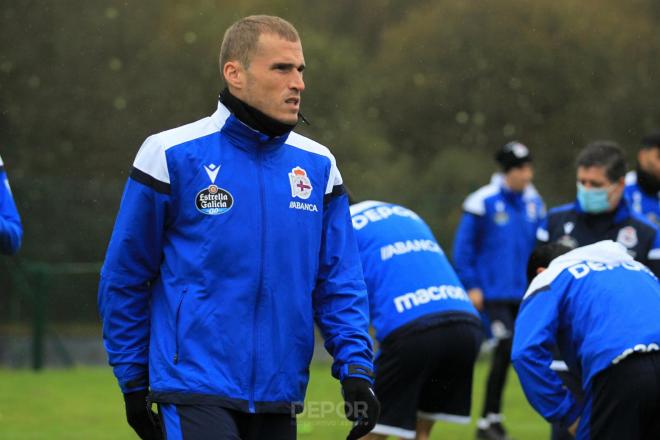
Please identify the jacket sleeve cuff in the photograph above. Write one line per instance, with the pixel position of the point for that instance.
(357, 370)
(135, 383)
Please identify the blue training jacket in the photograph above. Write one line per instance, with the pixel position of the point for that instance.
(494, 239)
(407, 274)
(641, 201)
(599, 306)
(227, 246)
(11, 231)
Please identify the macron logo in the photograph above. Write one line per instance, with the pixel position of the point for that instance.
(212, 171)
(433, 293)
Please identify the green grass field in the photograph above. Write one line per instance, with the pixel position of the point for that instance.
(85, 403)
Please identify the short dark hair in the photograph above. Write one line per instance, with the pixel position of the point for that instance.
(542, 256)
(651, 140)
(606, 154)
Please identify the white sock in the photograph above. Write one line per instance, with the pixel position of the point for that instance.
(483, 424)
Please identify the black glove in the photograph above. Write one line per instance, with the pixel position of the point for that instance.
(142, 419)
(360, 405)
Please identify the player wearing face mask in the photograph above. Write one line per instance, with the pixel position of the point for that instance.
(600, 211)
(643, 184)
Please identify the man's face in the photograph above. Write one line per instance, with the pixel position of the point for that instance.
(517, 178)
(596, 178)
(649, 161)
(273, 82)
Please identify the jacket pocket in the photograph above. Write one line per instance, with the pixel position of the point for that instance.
(177, 324)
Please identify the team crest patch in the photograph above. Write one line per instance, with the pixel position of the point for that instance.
(627, 236)
(501, 218)
(301, 186)
(532, 211)
(213, 200)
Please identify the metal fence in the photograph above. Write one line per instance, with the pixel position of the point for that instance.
(44, 304)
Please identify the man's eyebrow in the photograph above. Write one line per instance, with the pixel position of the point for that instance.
(286, 66)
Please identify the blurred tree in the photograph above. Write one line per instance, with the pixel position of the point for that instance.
(412, 97)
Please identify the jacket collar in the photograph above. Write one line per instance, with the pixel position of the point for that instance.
(243, 136)
(507, 193)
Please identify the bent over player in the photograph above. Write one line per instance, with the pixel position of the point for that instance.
(429, 332)
(601, 308)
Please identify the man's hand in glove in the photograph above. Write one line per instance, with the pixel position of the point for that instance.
(361, 406)
(142, 419)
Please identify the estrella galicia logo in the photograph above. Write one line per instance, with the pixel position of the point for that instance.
(213, 200)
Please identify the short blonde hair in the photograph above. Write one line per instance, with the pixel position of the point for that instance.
(240, 40)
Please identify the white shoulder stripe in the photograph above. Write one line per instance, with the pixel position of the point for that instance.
(530, 192)
(475, 202)
(298, 141)
(363, 206)
(1, 162)
(194, 130)
(304, 143)
(151, 158)
(631, 178)
(606, 251)
(654, 254)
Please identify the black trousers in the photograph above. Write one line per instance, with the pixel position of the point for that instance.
(626, 400)
(502, 317)
(207, 422)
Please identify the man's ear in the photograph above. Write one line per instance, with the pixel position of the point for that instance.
(540, 269)
(234, 74)
(621, 183)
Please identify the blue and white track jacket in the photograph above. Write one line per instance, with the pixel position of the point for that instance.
(227, 247)
(408, 275)
(494, 239)
(599, 306)
(11, 231)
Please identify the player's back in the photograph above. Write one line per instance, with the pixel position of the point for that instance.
(407, 274)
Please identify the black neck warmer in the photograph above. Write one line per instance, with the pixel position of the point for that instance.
(252, 117)
(647, 181)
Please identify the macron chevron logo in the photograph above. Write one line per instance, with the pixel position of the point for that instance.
(212, 171)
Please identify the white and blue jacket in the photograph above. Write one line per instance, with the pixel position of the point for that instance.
(494, 239)
(227, 247)
(11, 231)
(599, 306)
(407, 274)
(640, 201)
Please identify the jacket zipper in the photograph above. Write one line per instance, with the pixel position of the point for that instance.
(176, 327)
(255, 344)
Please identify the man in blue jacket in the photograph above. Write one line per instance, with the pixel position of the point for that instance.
(601, 308)
(600, 212)
(493, 242)
(428, 330)
(643, 184)
(11, 231)
(233, 237)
